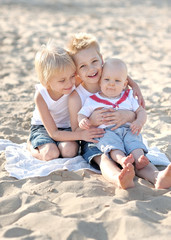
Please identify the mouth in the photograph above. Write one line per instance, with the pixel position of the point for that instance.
(68, 89)
(111, 89)
(93, 75)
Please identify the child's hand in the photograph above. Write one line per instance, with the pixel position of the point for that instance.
(136, 127)
(137, 92)
(97, 117)
(89, 134)
(84, 123)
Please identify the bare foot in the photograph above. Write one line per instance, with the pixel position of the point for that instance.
(141, 162)
(164, 178)
(126, 160)
(125, 178)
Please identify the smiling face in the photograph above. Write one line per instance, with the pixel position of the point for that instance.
(113, 80)
(61, 82)
(88, 64)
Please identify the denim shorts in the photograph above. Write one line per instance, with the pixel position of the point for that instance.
(39, 136)
(122, 139)
(89, 151)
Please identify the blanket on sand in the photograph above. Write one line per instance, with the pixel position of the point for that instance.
(20, 164)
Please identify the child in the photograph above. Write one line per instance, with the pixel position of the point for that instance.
(51, 134)
(120, 142)
(85, 52)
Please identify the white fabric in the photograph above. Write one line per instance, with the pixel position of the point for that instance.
(83, 93)
(90, 105)
(20, 164)
(58, 109)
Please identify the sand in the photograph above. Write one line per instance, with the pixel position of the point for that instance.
(82, 205)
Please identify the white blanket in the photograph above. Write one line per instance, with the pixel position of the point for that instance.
(20, 164)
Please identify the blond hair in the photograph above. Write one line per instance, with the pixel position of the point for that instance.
(51, 59)
(80, 41)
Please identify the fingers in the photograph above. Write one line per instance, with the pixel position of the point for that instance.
(94, 141)
(116, 126)
(135, 130)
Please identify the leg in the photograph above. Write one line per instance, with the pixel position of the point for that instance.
(120, 157)
(110, 171)
(41, 145)
(140, 160)
(160, 179)
(68, 149)
(44, 152)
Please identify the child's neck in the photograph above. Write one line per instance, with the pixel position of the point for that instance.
(91, 87)
(54, 95)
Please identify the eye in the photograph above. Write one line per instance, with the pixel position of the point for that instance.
(95, 60)
(82, 66)
(73, 76)
(62, 80)
(106, 79)
(117, 80)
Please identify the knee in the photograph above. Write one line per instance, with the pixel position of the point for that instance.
(70, 150)
(50, 154)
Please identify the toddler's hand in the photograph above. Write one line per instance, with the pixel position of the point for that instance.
(84, 123)
(136, 127)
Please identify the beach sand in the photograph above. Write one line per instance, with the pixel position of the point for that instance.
(82, 205)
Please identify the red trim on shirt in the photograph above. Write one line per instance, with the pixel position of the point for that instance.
(122, 99)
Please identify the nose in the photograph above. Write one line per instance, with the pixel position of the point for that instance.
(112, 83)
(91, 67)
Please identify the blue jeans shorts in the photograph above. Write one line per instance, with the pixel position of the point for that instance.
(89, 151)
(39, 136)
(121, 139)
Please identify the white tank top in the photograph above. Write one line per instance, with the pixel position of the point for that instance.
(83, 93)
(58, 109)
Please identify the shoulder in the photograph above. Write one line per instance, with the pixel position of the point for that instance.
(38, 97)
(74, 95)
(74, 100)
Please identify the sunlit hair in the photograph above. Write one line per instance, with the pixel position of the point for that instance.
(50, 60)
(80, 41)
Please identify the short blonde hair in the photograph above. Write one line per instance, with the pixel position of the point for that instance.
(51, 59)
(80, 41)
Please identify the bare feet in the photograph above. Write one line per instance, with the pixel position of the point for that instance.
(141, 162)
(163, 180)
(125, 178)
(126, 160)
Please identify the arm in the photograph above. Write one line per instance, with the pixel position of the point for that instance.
(137, 125)
(136, 91)
(84, 122)
(74, 100)
(52, 129)
(111, 117)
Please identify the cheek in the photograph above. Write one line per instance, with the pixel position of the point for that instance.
(81, 73)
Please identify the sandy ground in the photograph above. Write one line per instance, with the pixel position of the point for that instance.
(82, 205)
